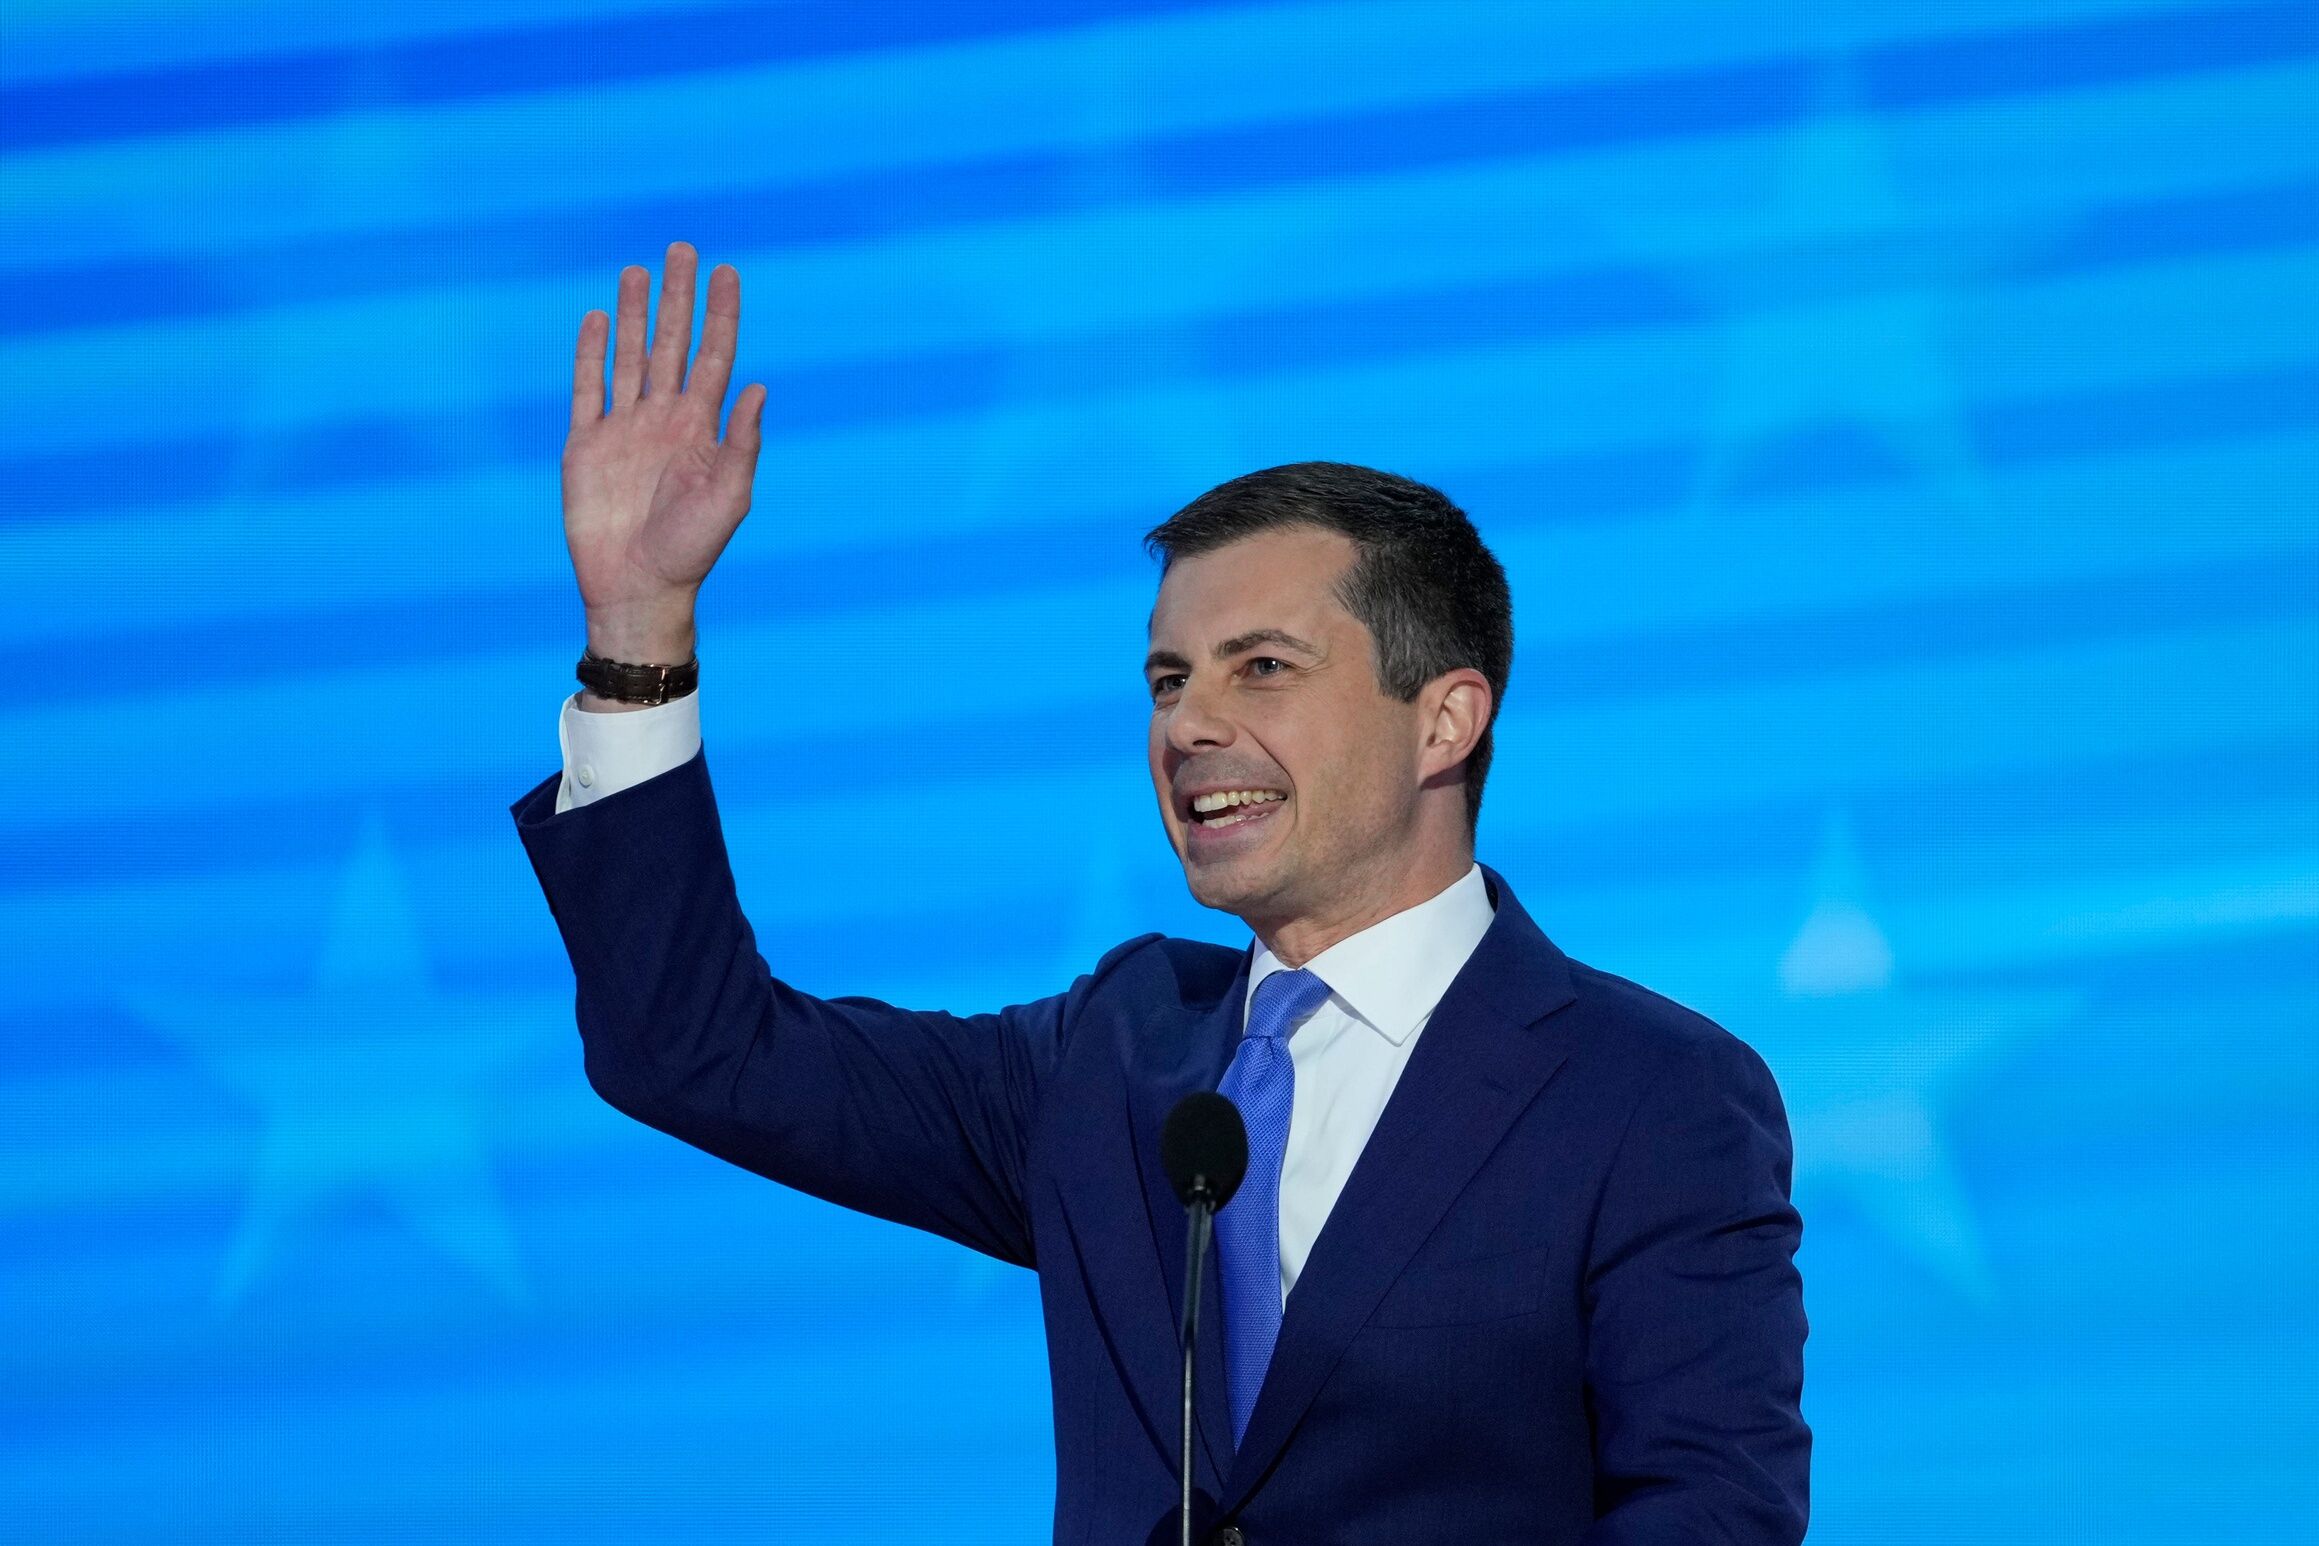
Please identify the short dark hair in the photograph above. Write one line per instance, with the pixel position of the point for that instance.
(1432, 596)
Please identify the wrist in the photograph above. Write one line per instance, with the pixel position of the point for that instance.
(656, 633)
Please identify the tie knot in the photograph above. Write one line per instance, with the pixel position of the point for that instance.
(1283, 999)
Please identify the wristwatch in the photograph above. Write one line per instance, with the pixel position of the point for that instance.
(627, 682)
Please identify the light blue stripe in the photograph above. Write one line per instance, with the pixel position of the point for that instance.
(2114, 515)
(689, 1208)
(1700, 941)
(506, 1462)
(1092, 92)
(513, 158)
(1925, 723)
(2213, 316)
(60, 39)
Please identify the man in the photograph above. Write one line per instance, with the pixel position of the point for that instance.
(1514, 1257)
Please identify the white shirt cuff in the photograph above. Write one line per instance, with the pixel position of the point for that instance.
(606, 753)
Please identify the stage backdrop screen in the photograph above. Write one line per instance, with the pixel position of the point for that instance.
(1898, 421)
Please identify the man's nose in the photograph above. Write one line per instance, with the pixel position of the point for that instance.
(1195, 724)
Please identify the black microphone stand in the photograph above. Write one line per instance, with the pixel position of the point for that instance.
(1204, 1149)
(1199, 1224)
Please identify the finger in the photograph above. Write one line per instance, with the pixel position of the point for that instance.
(588, 370)
(628, 343)
(744, 438)
(712, 371)
(672, 338)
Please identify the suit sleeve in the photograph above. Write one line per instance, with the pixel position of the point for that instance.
(918, 1117)
(1695, 1315)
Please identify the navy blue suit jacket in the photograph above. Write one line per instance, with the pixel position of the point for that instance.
(1555, 1302)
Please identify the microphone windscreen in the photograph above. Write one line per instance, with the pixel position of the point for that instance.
(1204, 1145)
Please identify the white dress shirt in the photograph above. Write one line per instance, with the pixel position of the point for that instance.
(606, 753)
(1348, 1054)
(1383, 985)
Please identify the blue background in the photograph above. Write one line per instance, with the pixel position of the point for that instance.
(1899, 424)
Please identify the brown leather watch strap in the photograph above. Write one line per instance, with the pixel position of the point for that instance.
(627, 682)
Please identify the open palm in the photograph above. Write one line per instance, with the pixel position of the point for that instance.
(651, 495)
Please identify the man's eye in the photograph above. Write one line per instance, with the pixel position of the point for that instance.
(1260, 662)
(1161, 686)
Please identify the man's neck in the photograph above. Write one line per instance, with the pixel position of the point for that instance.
(1295, 941)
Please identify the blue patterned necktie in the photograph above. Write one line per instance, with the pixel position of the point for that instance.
(1262, 1083)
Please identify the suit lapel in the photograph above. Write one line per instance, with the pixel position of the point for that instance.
(1478, 1065)
(1188, 1050)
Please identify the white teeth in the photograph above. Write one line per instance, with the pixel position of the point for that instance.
(1203, 804)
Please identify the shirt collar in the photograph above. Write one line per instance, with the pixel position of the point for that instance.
(1392, 973)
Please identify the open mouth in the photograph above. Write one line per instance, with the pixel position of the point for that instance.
(1224, 808)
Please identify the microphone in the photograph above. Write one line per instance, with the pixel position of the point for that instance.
(1204, 1150)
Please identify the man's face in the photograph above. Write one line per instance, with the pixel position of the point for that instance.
(1265, 695)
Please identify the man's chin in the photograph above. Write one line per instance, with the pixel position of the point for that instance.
(1238, 884)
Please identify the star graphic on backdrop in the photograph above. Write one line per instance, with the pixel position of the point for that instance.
(371, 1084)
(1867, 1064)
(1836, 313)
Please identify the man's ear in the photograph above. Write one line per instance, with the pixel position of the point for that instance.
(1453, 711)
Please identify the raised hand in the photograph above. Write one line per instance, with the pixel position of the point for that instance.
(651, 496)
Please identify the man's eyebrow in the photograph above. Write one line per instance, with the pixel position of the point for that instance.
(1236, 645)
(1241, 643)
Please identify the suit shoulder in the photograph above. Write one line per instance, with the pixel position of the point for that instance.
(1647, 1029)
(1191, 970)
